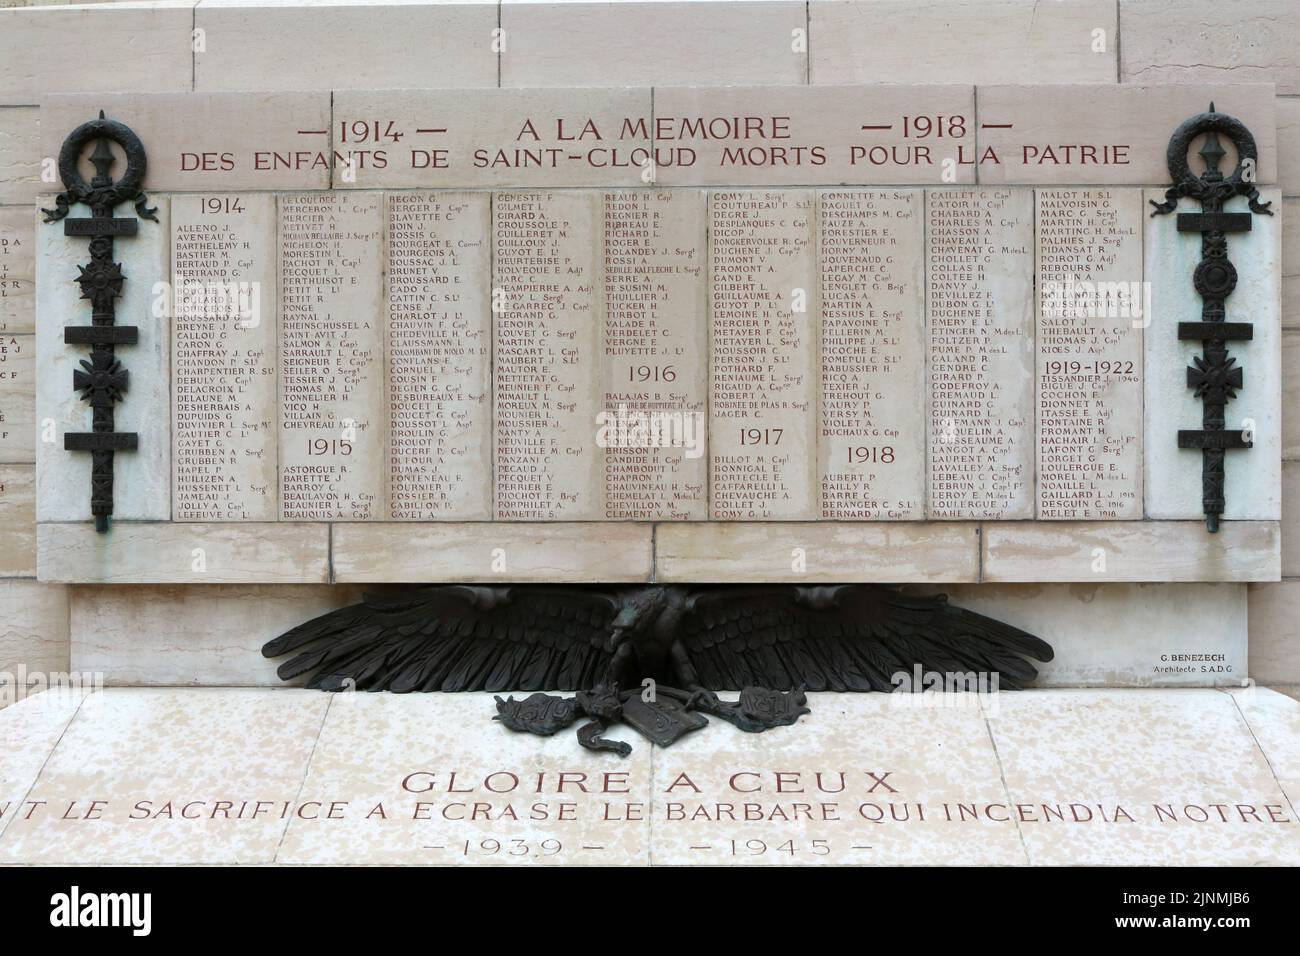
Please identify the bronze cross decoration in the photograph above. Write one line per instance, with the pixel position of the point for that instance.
(1214, 376)
(101, 380)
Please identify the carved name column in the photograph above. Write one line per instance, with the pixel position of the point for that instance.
(17, 269)
(439, 351)
(654, 355)
(762, 307)
(1092, 309)
(17, 398)
(980, 332)
(224, 418)
(331, 357)
(871, 449)
(546, 349)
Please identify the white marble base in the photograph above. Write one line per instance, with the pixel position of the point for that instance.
(1048, 777)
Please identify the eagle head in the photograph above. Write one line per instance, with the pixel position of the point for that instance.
(637, 614)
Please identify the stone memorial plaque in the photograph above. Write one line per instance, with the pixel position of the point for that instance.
(1091, 313)
(17, 398)
(871, 450)
(224, 419)
(531, 306)
(17, 269)
(762, 303)
(546, 351)
(980, 330)
(654, 355)
(331, 356)
(439, 356)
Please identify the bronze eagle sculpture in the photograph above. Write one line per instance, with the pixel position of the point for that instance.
(668, 647)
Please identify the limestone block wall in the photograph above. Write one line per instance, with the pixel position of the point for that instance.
(190, 634)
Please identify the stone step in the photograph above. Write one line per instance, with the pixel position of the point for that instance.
(261, 776)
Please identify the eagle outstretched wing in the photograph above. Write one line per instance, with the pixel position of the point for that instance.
(456, 638)
(845, 638)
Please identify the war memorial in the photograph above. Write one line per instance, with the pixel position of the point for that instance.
(853, 432)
